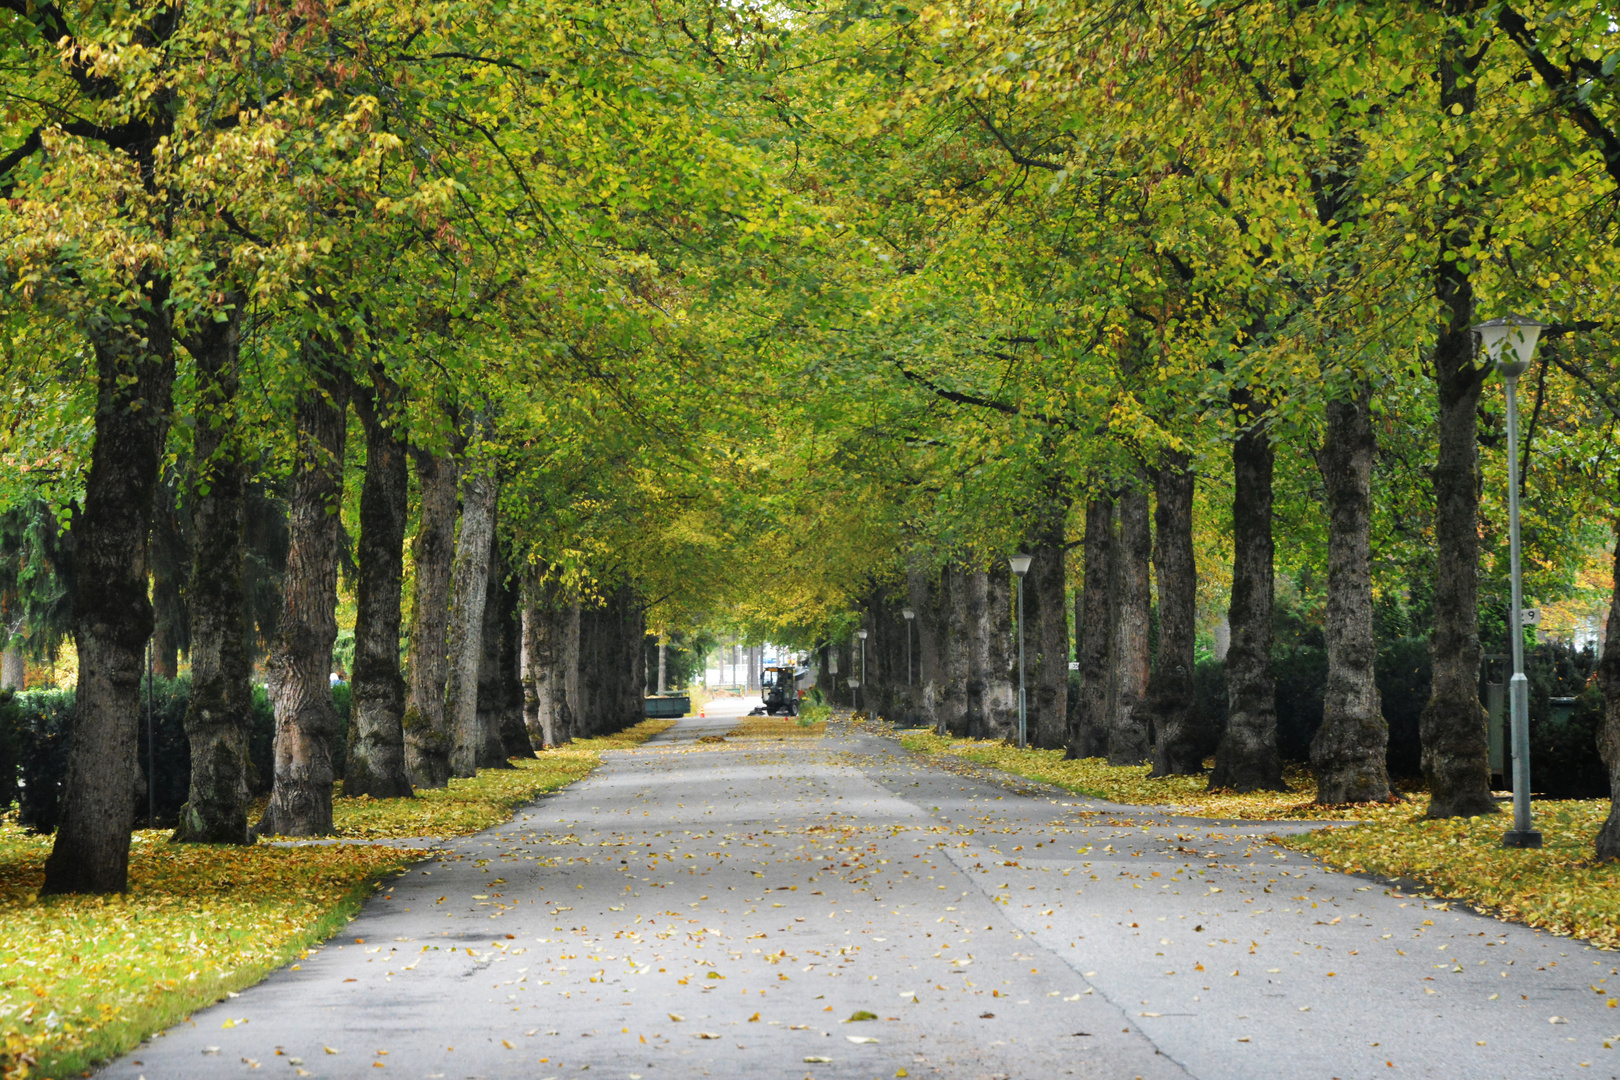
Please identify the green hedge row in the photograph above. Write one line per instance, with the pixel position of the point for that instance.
(1563, 740)
(35, 726)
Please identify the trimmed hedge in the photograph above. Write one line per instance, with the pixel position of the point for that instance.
(1563, 749)
(35, 726)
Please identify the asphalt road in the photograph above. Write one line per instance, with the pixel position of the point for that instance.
(725, 910)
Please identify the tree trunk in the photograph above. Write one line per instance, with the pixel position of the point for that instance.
(993, 655)
(13, 669)
(219, 714)
(1247, 759)
(300, 661)
(1088, 731)
(469, 592)
(112, 617)
(956, 670)
(633, 701)
(533, 659)
(500, 693)
(1608, 740)
(376, 762)
(1046, 632)
(170, 562)
(1171, 700)
(585, 692)
(1348, 751)
(663, 668)
(929, 661)
(427, 736)
(565, 680)
(1453, 726)
(1129, 740)
(977, 632)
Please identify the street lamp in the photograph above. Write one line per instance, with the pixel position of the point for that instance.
(1020, 567)
(909, 614)
(862, 635)
(1494, 337)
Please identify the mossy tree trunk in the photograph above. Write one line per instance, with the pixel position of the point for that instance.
(1453, 726)
(427, 737)
(500, 690)
(1347, 753)
(1247, 758)
(956, 672)
(112, 617)
(376, 750)
(1129, 740)
(1608, 673)
(219, 714)
(1171, 698)
(300, 661)
(469, 592)
(1088, 730)
(1046, 630)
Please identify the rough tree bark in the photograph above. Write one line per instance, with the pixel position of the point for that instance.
(1348, 751)
(572, 630)
(1089, 725)
(112, 617)
(376, 750)
(533, 658)
(300, 661)
(219, 714)
(585, 688)
(1046, 632)
(1128, 736)
(994, 654)
(1247, 759)
(928, 662)
(1608, 740)
(977, 632)
(1453, 726)
(956, 672)
(1171, 699)
(469, 591)
(565, 677)
(550, 629)
(500, 693)
(427, 737)
(13, 669)
(170, 563)
(633, 660)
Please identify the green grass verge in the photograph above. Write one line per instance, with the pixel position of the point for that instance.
(85, 978)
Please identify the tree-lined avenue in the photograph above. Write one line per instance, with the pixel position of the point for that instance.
(992, 928)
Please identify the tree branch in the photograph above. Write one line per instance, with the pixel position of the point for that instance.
(1019, 159)
(1564, 89)
(29, 147)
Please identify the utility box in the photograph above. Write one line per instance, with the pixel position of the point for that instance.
(667, 707)
(1495, 695)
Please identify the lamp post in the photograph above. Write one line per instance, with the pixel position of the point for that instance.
(862, 635)
(1494, 337)
(909, 614)
(1020, 567)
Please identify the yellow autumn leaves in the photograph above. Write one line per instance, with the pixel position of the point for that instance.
(1557, 888)
(83, 978)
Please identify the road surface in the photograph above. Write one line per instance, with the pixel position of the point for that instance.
(728, 909)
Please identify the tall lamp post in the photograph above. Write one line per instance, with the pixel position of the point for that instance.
(909, 614)
(1495, 337)
(862, 635)
(1020, 567)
